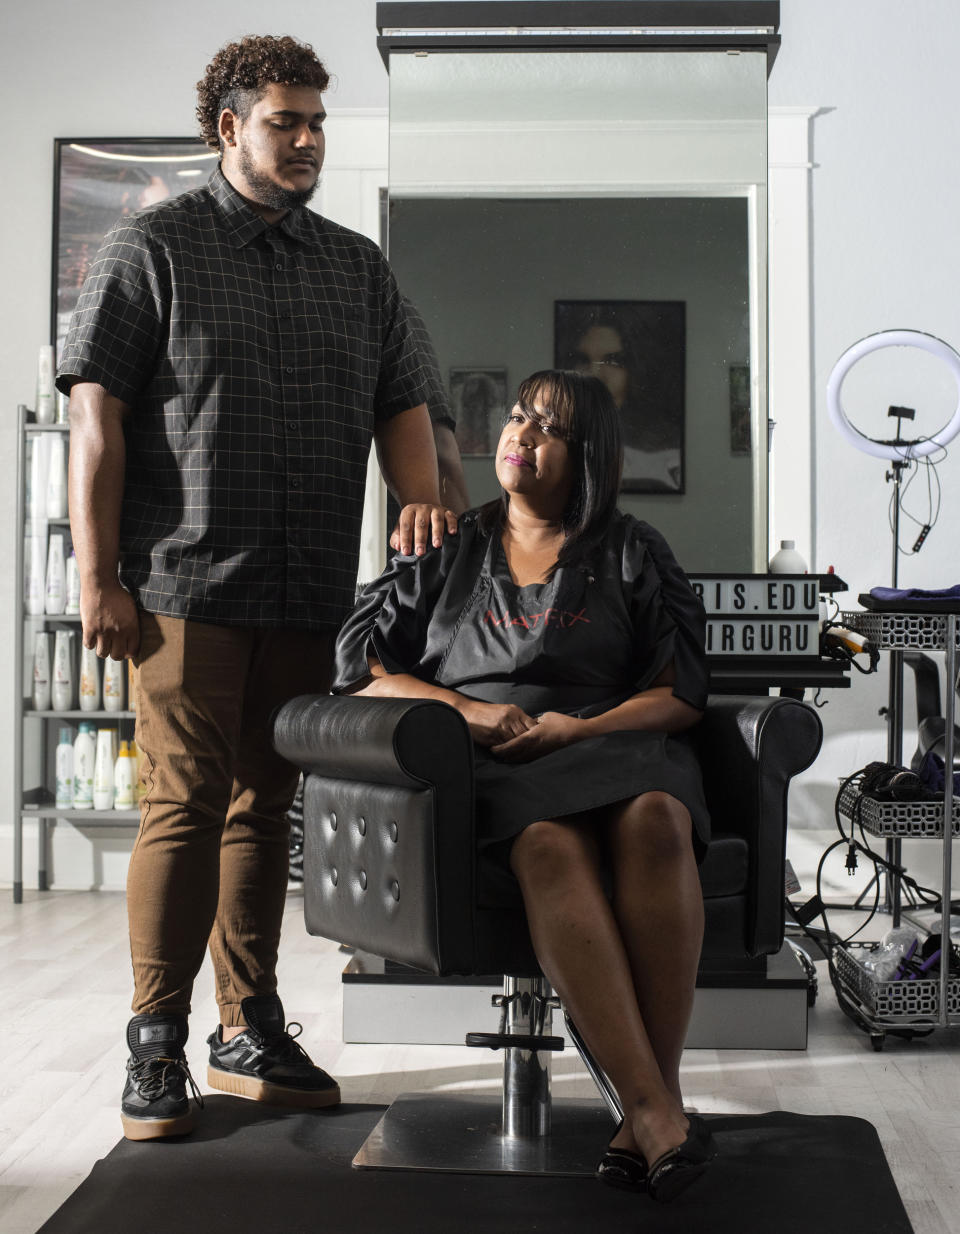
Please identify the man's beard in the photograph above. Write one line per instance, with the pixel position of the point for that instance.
(266, 192)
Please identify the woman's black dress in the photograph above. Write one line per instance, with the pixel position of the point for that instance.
(581, 644)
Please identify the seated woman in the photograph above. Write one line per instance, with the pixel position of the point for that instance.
(566, 635)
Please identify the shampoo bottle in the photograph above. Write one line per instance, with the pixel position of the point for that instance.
(123, 779)
(57, 478)
(83, 760)
(73, 585)
(41, 673)
(36, 579)
(103, 771)
(55, 594)
(46, 392)
(65, 770)
(114, 672)
(39, 473)
(63, 671)
(787, 560)
(89, 680)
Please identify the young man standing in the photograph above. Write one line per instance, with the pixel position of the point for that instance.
(231, 356)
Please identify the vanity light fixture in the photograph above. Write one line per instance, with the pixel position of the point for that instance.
(661, 25)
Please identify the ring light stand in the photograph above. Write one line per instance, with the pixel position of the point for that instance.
(900, 452)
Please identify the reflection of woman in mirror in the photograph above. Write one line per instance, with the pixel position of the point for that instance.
(625, 347)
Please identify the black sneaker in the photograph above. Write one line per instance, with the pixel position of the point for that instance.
(155, 1102)
(264, 1061)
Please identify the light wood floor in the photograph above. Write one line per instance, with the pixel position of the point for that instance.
(64, 1002)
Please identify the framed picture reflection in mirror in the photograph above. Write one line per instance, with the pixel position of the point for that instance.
(637, 348)
(478, 401)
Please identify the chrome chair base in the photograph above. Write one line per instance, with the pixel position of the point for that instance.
(464, 1135)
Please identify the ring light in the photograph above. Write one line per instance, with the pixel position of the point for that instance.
(876, 342)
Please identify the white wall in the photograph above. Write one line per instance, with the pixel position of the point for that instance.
(885, 254)
(885, 245)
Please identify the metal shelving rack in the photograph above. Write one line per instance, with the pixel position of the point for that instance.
(43, 812)
(919, 1004)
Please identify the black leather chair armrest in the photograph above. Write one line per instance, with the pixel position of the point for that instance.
(750, 748)
(378, 740)
(388, 825)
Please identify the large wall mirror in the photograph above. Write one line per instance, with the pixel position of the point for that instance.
(600, 209)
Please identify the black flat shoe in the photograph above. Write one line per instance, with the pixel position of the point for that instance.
(678, 1168)
(699, 1128)
(622, 1168)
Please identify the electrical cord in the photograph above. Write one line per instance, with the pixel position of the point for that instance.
(912, 465)
(901, 784)
(839, 649)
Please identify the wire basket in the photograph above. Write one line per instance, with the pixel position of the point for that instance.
(898, 1001)
(897, 818)
(901, 631)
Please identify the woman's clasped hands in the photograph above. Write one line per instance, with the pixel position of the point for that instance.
(510, 734)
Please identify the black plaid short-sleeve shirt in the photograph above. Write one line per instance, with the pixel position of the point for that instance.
(435, 392)
(255, 360)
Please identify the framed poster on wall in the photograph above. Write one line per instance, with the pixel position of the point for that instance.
(98, 180)
(637, 348)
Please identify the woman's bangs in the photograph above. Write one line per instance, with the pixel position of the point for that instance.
(555, 399)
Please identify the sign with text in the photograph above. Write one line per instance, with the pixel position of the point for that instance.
(760, 615)
(774, 594)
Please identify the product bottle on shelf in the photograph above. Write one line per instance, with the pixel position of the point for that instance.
(114, 672)
(89, 680)
(57, 478)
(63, 696)
(787, 560)
(73, 585)
(39, 471)
(46, 392)
(64, 761)
(41, 673)
(63, 408)
(55, 595)
(36, 579)
(84, 756)
(123, 776)
(103, 770)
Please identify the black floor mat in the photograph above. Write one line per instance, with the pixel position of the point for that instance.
(251, 1168)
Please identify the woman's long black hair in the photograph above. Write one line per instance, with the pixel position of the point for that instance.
(582, 409)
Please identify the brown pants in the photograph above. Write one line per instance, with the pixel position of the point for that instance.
(211, 858)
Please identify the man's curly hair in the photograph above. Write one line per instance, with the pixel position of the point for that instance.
(238, 74)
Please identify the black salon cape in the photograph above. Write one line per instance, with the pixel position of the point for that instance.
(581, 644)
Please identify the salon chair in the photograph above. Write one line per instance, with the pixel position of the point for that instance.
(390, 869)
(931, 723)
